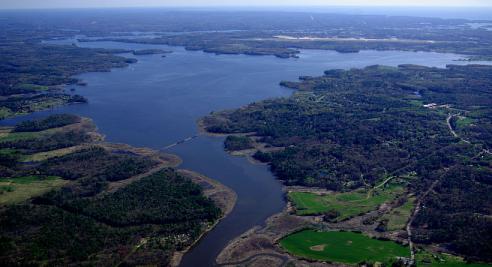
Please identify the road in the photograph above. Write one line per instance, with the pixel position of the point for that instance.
(453, 132)
(448, 122)
(412, 218)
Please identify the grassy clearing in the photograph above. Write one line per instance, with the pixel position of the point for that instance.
(343, 247)
(347, 204)
(425, 258)
(15, 190)
(50, 154)
(417, 103)
(30, 86)
(8, 151)
(398, 217)
(463, 122)
(5, 112)
(8, 137)
(4, 131)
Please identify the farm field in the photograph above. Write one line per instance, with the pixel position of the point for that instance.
(342, 247)
(346, 205)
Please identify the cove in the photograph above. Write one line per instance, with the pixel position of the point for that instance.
(157, 101)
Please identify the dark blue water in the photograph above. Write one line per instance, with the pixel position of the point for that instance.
(157, 102)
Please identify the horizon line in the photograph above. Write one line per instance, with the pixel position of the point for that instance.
(245, 7)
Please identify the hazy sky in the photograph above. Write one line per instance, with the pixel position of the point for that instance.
(204, 3)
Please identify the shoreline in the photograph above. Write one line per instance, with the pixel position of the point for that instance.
(260, 244)
(257, 232)
(224, 197)
(247, 153)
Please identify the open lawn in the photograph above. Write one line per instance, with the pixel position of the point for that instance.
(15, 190)
(347, 204)
(343, 247)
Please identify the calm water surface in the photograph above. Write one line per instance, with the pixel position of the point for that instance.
(157, 102)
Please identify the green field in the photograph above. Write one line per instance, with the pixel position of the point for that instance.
(463, 122)
(15, 190)
(30, 86)
(343, 247)
(8, 152)
(424, 258)
(418, 103)
(5, 112)
(398, 217)
(49, 154)
(7, 137)
(347, 204)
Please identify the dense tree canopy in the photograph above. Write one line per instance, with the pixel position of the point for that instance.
(349, 129)
(82, 221)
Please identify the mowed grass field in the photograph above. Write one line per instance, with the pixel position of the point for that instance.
(15, 190)
(347, 204)
(342, 247)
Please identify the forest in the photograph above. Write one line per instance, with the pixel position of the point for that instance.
(55, 121)
(96, 163)
(91, 203)
(233, 143)
(257, 33)
(163, 213)
(32, 74)
(47, 142)
(350, 129)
